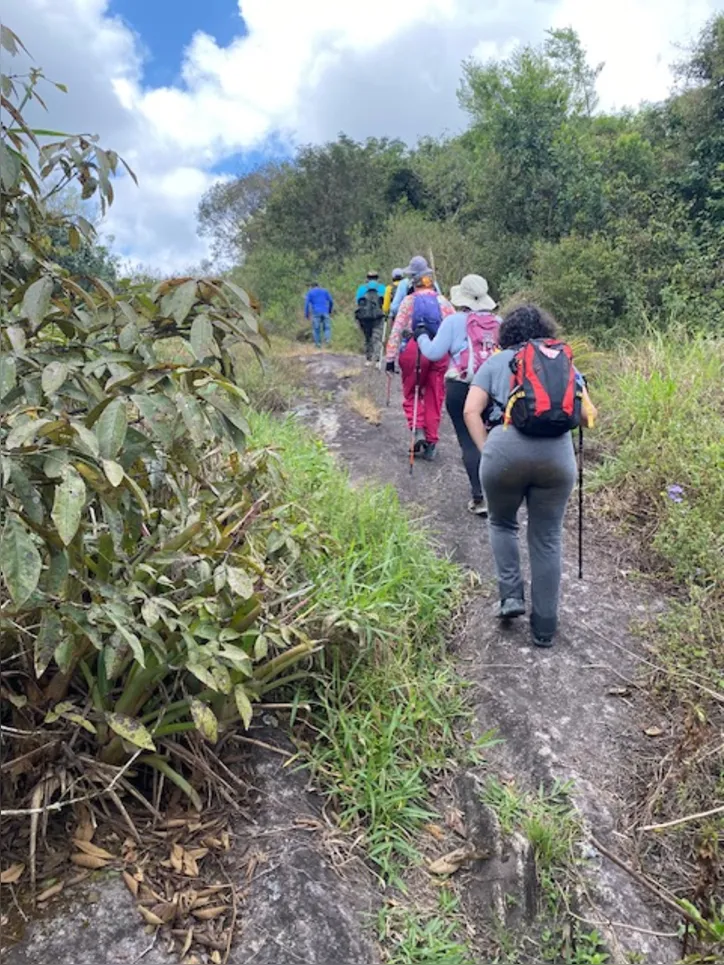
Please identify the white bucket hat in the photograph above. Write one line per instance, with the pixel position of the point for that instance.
(472, 292)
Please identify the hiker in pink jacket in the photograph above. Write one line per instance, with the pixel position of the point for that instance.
(423, 310)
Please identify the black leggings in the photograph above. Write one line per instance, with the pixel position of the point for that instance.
(455, 395)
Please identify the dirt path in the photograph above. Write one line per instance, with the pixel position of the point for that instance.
(564, 714)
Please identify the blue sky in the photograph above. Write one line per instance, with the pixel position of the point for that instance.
(167, 26)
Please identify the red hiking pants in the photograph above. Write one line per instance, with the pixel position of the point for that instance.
(432, 390)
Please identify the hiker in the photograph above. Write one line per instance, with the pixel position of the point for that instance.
(319, 306)
(424, 309)
(404, 288)
(370, 315)
(528, 455)
(470, 336)
(397, 276)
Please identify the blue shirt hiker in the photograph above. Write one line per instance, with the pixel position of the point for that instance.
(319, 306)
(370, 284)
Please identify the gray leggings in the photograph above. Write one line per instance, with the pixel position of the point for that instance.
(542, 472)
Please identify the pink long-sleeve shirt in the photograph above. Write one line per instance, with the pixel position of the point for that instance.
(403, 319)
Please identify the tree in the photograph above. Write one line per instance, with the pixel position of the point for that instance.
(563, 48)
(525, 111)
(227, 210)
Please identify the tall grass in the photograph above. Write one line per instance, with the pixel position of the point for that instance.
(387, 705)
(662, 408)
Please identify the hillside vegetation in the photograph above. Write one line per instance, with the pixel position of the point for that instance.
(613, 221)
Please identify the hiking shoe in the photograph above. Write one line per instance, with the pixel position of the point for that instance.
(420, 441)
(368, 362)
(509, 608)
(542, 640)
(477, 507)
(428, 452)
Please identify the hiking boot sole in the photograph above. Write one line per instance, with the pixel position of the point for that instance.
(543, 642)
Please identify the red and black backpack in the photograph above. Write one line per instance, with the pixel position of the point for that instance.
(545, 395)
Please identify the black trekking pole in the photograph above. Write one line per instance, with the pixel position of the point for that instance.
(580, 501)
(415, 407)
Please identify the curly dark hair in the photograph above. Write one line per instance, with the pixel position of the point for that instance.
(523, 323)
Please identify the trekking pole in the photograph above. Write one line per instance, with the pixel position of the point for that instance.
(580, 501)
(415, 405)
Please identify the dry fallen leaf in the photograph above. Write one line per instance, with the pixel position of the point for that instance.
(50, 892)
(177, 858)
(190, 868)
(76, 879)
(216, 957)
(187, 942)
(200, 902)
(91, 861)
(93, 849)
(84, 832)
(12, 874)
(149, 916)
(436, 831)
(191, 960)
(131, 883)
(198, 853)
(618, 691)
(653, 731)
(165, 910)
(454, 820)
(206, 914)
(451, 862)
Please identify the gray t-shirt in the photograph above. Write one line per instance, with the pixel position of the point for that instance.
(494, 377)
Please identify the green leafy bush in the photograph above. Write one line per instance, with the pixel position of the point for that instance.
(138, 537)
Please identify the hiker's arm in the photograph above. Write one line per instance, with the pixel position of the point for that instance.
(403, 320)
(400, 294)
(331, 303)
(589, 413)
(436, 348)
(475, 405)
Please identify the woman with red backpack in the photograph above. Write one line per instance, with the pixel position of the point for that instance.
(532, 396)
(469, 337)
(423, 382)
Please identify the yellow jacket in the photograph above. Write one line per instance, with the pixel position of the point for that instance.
(389, 295)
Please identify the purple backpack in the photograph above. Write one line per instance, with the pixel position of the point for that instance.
(427, 314)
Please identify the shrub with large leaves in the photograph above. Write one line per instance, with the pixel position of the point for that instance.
(136, 532)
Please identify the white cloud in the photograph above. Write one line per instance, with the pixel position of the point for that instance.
(307, 71)
(638, 40)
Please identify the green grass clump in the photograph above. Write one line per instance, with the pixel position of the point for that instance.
(388, 695)
(662, 409)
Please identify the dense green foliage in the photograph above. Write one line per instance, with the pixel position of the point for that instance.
(139, 540)
(608, 220)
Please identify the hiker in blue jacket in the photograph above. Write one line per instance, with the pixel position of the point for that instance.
(319, 306)
(370, 316)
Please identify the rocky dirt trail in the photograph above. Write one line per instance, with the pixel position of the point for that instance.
(569, 714)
